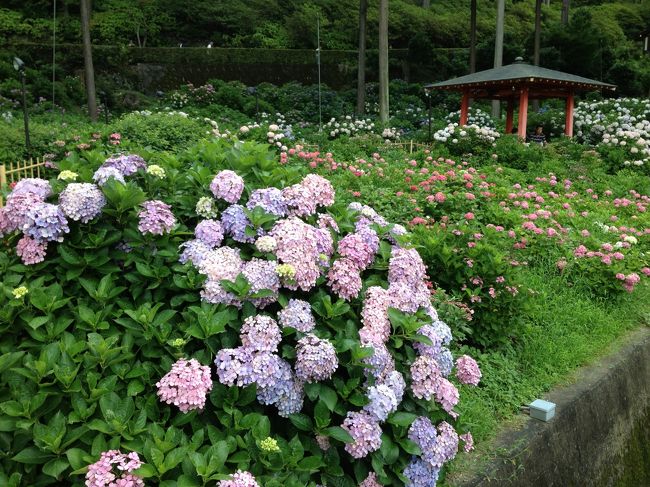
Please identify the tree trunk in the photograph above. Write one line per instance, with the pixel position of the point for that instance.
(383, 61)
(565, 11)
(472, 37)
(426, 3)
(361, 64)
(498, 49)
(88, 60)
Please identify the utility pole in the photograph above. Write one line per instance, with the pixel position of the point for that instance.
(88, 60)
(498, 50)
(383, 61)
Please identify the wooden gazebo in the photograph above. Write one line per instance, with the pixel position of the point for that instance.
(524, 82)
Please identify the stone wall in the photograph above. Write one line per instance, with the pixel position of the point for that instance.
(599, 437)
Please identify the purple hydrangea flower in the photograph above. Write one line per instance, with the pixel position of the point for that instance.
(408, 298)
(14, 213)
(126, 164)
(82, 201)
(380, 363)
(186, 385)
(228, 186)
(270, 200)
(261, 275)
(365, 431)
(221, 263)
(382, 402)
(285, 392)
(193, 251)
(345, 279)
(235, 222)
(439, 334)
(425, 376)
(406, 266)
(260, 333)
(395, 381)
(31, 251)
(155, 218)
(324, 242)
(210, 232)
(315, 359)
(421, 474)
(113, 469)
(39, 187)
(297, 315)
(326, 221)
(370, 481)
(300, 200)
(103, 174)
(234, 366)
(213, 292)
(45, 222)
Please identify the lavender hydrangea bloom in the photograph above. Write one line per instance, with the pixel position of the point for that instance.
(445, 361)
(270, 200)
(39, 187)
(297, 315)
(374, 316)
(439, 334)
(467, 370)
(285, 392)
(300, 200)
(221, 263)
(408, 298)
(425, 376)
(446, 446)
(235, 222)
(325, 221)
(297, 246)
(406, 266)
(193, 251)
(126, 164)
(382, 402)
(261, 275)
(103, 174)
(260, 333)
(210, 232)
(370, 481)
(82, 201)
(354, 247)
(421, 474)
(31, 251)
(395, 381)
(267, 368)
(214, 292)
(380, 363)
(155, 218)
(320, 189)
(16, 209)
(234, 366)
(423, 433)
(324, 242)
(239, 479)
(365, 431)
(45, 222)
(227, 185)
(315, 359)
(344, 279)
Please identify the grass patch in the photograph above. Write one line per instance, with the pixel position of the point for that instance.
(566, 328)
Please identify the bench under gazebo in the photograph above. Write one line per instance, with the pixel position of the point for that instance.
(521, 81)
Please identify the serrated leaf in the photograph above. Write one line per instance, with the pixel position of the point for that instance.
(338, 433)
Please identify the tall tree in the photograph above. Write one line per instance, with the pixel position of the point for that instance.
(565, 11)
(538, 33)
(361, 64)
(472, 37)
(88, 60)
(383, 61)
(498, 49)
(426, 3)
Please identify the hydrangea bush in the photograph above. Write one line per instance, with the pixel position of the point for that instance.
(228, 323)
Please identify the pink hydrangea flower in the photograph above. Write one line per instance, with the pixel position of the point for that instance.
(467, 370)
(185, 385)
(113, 469)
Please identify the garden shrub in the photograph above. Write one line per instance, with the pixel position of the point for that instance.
(328, 348)
(161, 131)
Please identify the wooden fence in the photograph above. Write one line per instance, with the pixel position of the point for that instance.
(14, 172)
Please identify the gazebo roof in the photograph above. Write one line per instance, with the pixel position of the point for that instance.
(520, 72)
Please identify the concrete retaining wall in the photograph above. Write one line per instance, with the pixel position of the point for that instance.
(599, 437)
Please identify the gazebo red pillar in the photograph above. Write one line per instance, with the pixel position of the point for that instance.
(568, 122)
(523, 113)
(509, 115)
(464, 108)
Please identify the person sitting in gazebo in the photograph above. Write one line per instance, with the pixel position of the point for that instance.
(538, 137)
